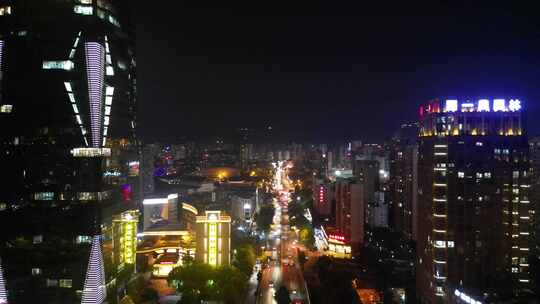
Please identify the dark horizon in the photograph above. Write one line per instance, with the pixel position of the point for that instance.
(321, 72)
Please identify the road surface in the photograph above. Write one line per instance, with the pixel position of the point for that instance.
(285, 269)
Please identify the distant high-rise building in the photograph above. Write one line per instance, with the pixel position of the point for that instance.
(475, 210)
(213, 233)
(377, 211)
(322, 197)
(350, 211)
(403, 183)
(69, 155)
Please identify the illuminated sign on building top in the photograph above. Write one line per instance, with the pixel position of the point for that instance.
(482, 105)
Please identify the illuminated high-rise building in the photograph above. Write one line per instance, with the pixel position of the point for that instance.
(475, 213)
(69, 154)
(213, 235)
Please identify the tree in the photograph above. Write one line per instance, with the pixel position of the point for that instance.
(265, 217)
(307, 237)
(195, 279)
(149, 295)
(245, 259)
(231, 284)
(282, 295)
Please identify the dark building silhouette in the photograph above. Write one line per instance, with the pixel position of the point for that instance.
(69, 154)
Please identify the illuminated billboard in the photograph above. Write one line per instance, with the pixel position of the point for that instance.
(160, 212)
(156, 213)
(133, 168)
(483, 105)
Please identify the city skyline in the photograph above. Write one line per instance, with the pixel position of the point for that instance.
(268, 153)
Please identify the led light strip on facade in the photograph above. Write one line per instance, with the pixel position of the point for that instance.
(3, 290)
(1, 53)
(4, 109)
(212, 243)
(95, 56)
(74, 48)
(109, 68)
(109, 92)
(94, 291)
(76, 112)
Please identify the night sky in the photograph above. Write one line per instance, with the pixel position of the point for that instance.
(322, 70)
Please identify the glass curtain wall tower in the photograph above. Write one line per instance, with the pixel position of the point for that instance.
(69, 154)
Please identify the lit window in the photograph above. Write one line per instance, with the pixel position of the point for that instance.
(6, 108)
(36, 271)
(83, 10)
(450, 244)
(38, 239)
(44, 196)
(107, 110)
(440, 244)
(83, 239)
(5, 10)
(108, 57)
(461, 174)
(75, 109)
(108, 100)
(68, 86)
(110, 71)
(101, 14)
(106, 121)
(113, 21)
(91, 152)
(122, 65)
(67, 65)
(109, 91)
(479, 144)
(65, 283)
(71, 97)
(487, 175)
(85, 1)
(78, 117)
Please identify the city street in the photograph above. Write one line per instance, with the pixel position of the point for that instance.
(284, 269)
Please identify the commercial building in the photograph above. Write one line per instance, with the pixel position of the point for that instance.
(213, 233)
(475, 211)
(69, 154)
